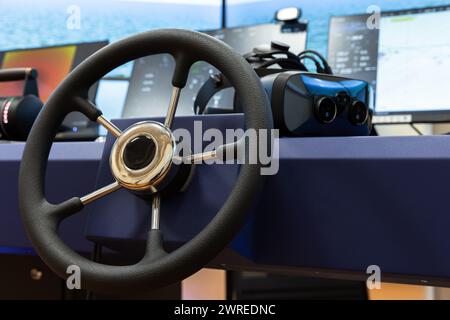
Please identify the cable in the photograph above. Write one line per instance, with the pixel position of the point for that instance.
(269, 63)
(416, 129)
(314, 52)
(326, 67)
(319, 68)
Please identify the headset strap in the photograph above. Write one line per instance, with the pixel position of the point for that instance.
(217, 82)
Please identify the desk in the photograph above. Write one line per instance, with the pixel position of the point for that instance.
(72, 171)
(336, 206)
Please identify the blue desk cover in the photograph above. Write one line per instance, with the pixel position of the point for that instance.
(72, 171)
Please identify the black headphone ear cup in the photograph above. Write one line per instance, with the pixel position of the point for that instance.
(18, 115)
(358, 113)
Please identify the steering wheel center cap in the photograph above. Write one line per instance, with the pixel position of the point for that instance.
(142, 156)
(139, 152)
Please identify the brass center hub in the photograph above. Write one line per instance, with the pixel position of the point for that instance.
(142, 156)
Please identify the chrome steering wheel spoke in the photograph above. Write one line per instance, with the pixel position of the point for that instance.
(229, 151)
(88, 108)
(174, 99)
(109, 126)
(156, 209)
(100, 193)
(155, 249)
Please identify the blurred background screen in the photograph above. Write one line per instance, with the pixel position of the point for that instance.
(31, 23)
(317, 12)
(48, 23)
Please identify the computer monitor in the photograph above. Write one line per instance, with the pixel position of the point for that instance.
(150, 84)
(406, 59)
(53, 64)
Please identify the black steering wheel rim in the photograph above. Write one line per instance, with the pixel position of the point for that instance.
(41, 219)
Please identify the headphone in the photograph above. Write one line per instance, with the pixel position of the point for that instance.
(263, 60)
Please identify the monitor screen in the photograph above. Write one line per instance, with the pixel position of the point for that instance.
(414, 62)
(317, 13)
(244, 39)
(405, 60)
(52, 64)
(150, 85)
(110, 99)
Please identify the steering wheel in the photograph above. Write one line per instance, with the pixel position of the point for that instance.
(144, 170)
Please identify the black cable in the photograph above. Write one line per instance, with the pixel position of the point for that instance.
(416, 129)
(269, 63)
(326, 66)
(314, 52)
(272, 55)
(319, 68)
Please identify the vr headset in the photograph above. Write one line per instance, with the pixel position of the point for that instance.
(303, 103)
